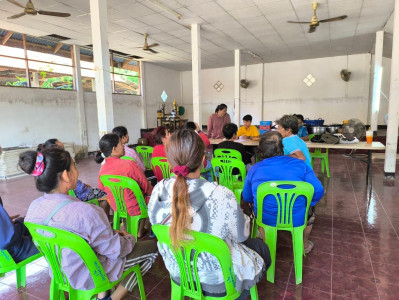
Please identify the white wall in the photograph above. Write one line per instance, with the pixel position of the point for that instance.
(30, 116)
(329, 97)
(157, 79)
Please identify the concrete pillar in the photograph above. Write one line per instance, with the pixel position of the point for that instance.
(143, 94)
(375, 106)
(237, 86)
(35, 82)
(196, 71)
(99, 20)
(393, 108)
(80, 106)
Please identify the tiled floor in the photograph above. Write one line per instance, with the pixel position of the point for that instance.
(356, 253)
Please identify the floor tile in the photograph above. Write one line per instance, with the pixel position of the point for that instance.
(316, 279)
(354, 287)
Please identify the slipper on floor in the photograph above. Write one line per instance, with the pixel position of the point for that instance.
(106, 297)
(307, 250)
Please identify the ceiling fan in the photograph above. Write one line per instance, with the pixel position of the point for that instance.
(29, 9)
(147, 47)
(316, 22)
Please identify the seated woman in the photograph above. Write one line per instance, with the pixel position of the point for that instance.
(121, 131)
(186, 202)
(112, 150)
(55, 174)
(274, 165)
(15, 237)
(82, 191)
(161, 136)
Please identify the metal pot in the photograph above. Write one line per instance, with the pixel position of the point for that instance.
(316, 129)
(333, 128)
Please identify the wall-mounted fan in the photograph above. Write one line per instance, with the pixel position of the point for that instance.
(29, 9)
(147, 47)
(316, 22)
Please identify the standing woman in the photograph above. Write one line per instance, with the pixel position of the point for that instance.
(216, 122)
(111, 149)
(186, 202)
(55, 174)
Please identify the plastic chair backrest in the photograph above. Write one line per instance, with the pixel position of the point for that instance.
(51, 241)
(117, 185)
(285, 194)
(224, 167)
(127, 158)
(229, 153)
(163, 164)
(145, 152)
(189, 251)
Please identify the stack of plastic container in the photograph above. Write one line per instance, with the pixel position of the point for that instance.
(265, 126)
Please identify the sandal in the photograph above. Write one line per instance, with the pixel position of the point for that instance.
(106, 297)
(307, 250)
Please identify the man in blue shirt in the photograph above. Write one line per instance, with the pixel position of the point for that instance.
(275, 166)
(15, 237)
(293, 145)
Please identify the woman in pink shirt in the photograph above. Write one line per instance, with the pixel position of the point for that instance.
(111, 149)
(161, 136)
(216, 122)
(55, 174)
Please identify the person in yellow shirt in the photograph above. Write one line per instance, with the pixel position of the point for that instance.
(247, 131)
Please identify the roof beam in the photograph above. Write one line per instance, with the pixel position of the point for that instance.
(7, 37)
(58, 47)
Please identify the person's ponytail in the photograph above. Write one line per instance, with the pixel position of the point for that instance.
(181, 219)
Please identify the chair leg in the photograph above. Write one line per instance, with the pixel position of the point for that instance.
(254, 231)
(55, 293)
(21, 277)
(271, 242)
(117, 221)
(254, 292)
(132, 225)
(322, 162)
(298, 248)
(176, 291)
(140, 283)
(327, 165)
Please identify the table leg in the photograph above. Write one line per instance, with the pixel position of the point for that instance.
(369, 172)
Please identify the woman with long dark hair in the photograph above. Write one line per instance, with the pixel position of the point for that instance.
(55, 174)
(111, 150)
(187, 202)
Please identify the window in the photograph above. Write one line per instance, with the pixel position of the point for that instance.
(126, 75)
(35, 62)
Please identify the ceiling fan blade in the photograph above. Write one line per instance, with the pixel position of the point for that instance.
(297, 22)
(153, 51)
(16, 3)
(153, 45)
(17, 16)
(333, 19)
(312, 29)
(53, 13)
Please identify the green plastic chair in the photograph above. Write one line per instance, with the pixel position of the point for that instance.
(146, 152)
(228, 153)
(7, 264)
(92, 201)
(189, 280)
(163, 164)
(285, 193)
(224, 167)
(51, 241)
(127, 158)
(117, 185)
(317, 153)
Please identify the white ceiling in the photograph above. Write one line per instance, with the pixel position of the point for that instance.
(258, 26)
